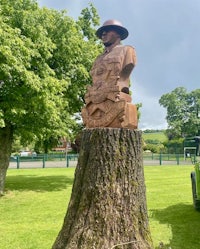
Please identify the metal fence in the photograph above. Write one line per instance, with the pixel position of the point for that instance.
(70, 160)
(167, 159)
(44, 161)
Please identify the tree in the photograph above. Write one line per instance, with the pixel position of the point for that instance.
(44, 63)
(183, 112)
(108, 203)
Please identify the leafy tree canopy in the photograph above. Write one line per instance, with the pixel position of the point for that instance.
(45, 57)
(183, 112)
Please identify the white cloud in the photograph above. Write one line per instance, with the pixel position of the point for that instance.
(152, 114)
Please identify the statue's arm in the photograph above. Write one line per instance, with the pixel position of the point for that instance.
(129, 63)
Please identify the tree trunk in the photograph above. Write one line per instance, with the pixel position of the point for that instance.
(108, 203)
(6, 138)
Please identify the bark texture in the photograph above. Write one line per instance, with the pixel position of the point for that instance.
(6, 138)
(108, 202)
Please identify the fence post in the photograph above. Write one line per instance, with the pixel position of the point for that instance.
(177, 159)
(195, 158)
(43, 162)
(160, 158)
(67, 161)
(18, 160)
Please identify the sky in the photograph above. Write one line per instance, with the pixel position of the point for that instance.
(166, 36)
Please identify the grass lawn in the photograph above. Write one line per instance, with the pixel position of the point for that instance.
(35, 203)
(173, 220)
(160, 136)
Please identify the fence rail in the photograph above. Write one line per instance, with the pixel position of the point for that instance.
(44, 161)
(70, 160)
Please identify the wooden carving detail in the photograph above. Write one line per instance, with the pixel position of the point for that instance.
(108, 103)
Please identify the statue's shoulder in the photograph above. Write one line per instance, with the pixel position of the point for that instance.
(129, 47)
(126, 48)
(98, 58)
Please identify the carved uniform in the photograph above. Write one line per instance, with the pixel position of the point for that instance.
(109, 67)
(107, 101)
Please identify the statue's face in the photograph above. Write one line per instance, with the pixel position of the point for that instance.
(110, 37)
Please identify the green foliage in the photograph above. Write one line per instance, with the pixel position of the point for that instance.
(158, 142)
(155, 148)
(153, 140)
(183, 112)
(174, 145)
(87, 21)
(44, 68)
(138, 105)
(45, 58)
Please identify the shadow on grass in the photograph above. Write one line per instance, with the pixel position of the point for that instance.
(185, 225)
(38, 183)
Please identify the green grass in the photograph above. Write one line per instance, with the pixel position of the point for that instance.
(33, 208)
(173, 220)
(160, 136)
(35, 203)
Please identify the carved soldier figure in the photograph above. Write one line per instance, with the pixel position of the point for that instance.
(108, 103)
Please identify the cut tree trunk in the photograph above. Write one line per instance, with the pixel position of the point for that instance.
(108, 202)
(6, 138)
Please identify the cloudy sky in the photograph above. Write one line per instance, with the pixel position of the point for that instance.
(166, 36)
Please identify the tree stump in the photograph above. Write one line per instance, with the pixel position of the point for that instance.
(107, 209)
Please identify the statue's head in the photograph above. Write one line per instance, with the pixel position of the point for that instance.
(113, 25)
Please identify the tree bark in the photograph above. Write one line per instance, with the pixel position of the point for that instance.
(6, 138)
(108, 202)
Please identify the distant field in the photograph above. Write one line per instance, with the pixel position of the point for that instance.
(160, 136)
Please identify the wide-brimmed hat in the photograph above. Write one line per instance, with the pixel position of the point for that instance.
(113, 25)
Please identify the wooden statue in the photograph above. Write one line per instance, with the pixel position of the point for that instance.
(108, 102)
